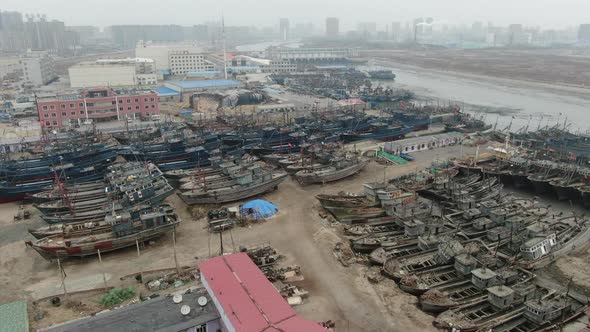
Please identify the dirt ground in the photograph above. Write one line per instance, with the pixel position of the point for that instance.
(558, 67)
(342, 294)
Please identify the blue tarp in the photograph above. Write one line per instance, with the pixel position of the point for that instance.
(165, 91)
(259, 208)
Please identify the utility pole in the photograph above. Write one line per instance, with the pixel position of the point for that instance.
(174, 246)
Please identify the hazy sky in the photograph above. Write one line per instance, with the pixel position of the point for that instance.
(546, 13)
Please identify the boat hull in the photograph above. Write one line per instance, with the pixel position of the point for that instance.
(103, 245)
(231, 196)
(311, 178)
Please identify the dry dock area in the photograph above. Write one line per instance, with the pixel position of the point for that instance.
(342, 294)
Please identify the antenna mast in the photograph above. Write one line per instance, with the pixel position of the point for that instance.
(224, 49)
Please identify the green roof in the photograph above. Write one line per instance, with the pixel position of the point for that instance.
(14, 317)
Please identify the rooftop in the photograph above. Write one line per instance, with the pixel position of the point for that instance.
(14, 317)
(484, 273)
(158, 314)
(501, 291)
(165, 91)
(246, 299)
(205, 84)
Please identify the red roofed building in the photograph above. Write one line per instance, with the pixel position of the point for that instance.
(246, 300)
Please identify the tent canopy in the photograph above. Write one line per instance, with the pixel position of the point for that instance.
(259, 208)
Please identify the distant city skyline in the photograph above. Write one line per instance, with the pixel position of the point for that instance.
(547, 14)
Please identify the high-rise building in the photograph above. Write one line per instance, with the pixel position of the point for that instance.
(367, 29)
(584, 34)
(36, 33)
(396, 31)
(284, 28)
(127, 36)
(332, 27)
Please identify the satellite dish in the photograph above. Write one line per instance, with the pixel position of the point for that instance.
(185, 310)
(202, 301)
(177, 298)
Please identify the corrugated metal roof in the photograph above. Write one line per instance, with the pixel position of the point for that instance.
(249, 300)
(205, 84)
(165, 91)
(14, 317)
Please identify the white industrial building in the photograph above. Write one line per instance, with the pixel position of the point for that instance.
(183, 62)
(311, 54)
(160, 52)
(113, 72)
(422, 143)
(38, 68)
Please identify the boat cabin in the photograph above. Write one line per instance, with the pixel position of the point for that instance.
(140, 193)
(498, 233)
(501, 297)
(465, 263)
(486, 207)
(507, 276)
(546, 310)
(447, 251)
(466, 203)
(483, 278)
(428, 242)
(243, 178)
(537, 247)
(153, 219)
(482, 224)
(499, 215)
(122, 223)
(414, 227)
(469, 214)
(516, 222)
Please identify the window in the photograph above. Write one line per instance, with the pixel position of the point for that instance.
(81, 104)
(64, 113)
(63, 106)
(54, 115)
(52, 107)
(45, 108)
(82, 112)
(45, 115)
(114, 102)
(153, 106)
(145, 100)
(136, 107)
(73, 113)
(129, 108)
(201, 328)
(89, 104)
(152, 99)
(47, 123)
(71, 105)
(121, 108)
(137, 100)
(146, 107)
(128, 100)
(55, 123)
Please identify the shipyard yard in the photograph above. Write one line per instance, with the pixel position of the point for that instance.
(297, 231)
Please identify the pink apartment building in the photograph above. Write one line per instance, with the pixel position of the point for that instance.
(96, 105)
